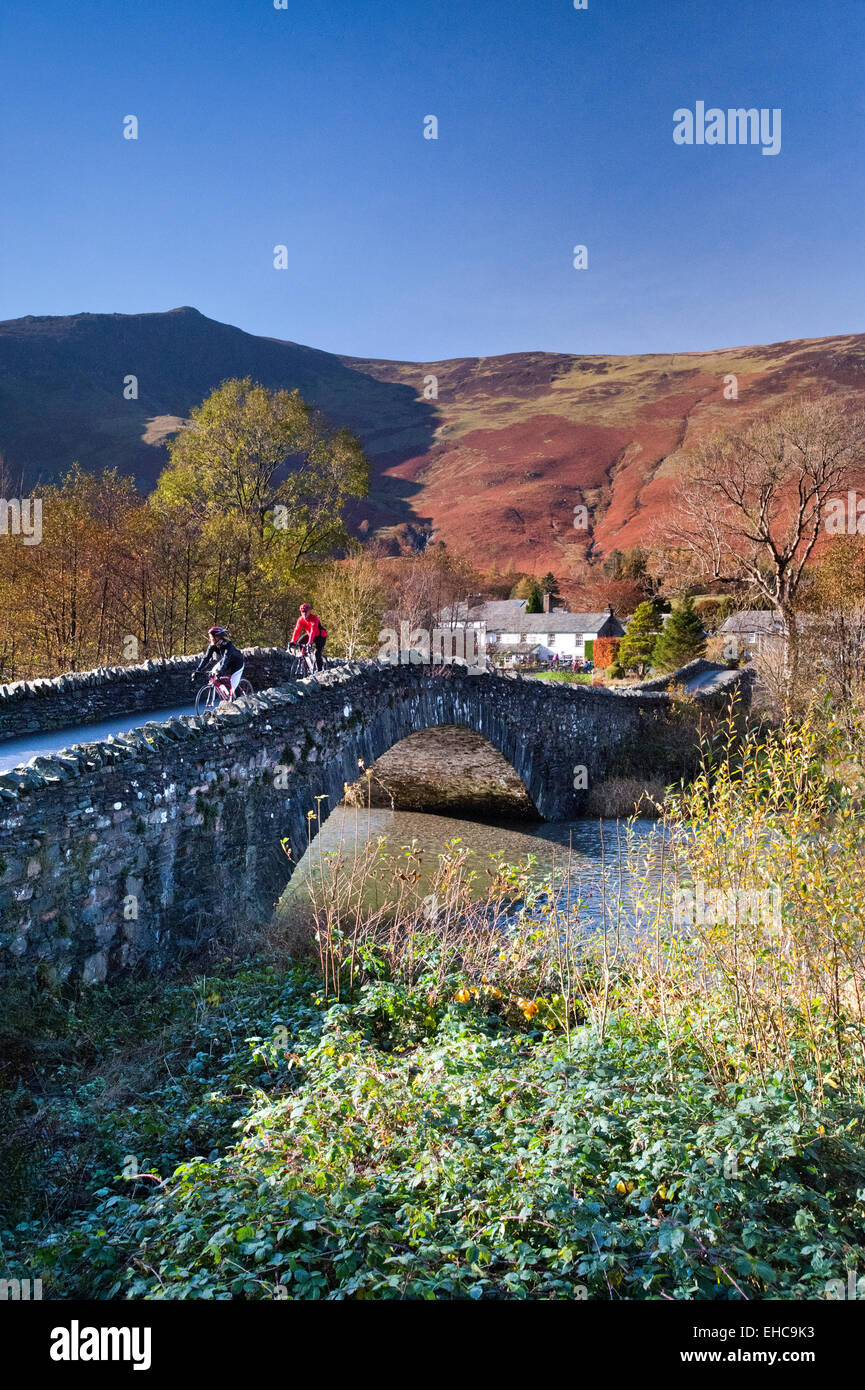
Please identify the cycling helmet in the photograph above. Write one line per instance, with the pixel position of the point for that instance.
(217, 632)
(305, 608)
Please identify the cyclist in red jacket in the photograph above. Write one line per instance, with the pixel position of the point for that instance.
(309, 629)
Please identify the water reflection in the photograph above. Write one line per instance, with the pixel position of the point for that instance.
(592, 862)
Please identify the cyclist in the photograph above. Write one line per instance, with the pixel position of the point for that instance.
(309, 629)
(229, 668)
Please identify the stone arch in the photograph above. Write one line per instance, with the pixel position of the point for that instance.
(188, 816)
(448, 769)
(402, 720)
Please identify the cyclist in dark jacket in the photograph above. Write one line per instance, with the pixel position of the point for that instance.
(229, 668)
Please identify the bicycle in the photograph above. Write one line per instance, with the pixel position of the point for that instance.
(304, 660)
(213, 694)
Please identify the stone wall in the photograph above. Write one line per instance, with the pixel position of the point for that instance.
(86, 697)
(701, 666)
(138, 848)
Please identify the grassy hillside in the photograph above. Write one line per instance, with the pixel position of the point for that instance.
(494, 465)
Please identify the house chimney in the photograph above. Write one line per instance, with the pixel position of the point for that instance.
(546, 603)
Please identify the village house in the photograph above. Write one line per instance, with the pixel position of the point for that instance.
(505, 629)
(754, 629)
(759, 632)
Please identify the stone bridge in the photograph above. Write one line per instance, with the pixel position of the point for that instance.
(136, 849)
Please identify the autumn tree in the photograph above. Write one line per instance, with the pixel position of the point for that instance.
(266, 480)
(73, 615)
(526, 587)
(605, 652)
(751, 504)
(626, 564)
(713, 611)
(836, 626)
(350, 597)
(431, 590)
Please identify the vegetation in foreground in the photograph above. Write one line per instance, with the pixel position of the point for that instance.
(460, 1100)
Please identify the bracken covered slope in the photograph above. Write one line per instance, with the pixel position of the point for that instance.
(494, 464)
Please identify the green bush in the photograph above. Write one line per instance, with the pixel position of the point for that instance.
(480, 1162)
(637, 645)
(681, 640)
(392, 1148)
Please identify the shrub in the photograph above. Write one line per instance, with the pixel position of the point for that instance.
(476, 1094)
(605, 651)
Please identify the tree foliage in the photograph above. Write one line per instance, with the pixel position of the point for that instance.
(535, 598)
(682, 638)
(253, 498)
(637, 645)
(350, 596)
(604, 652)
(549, 585)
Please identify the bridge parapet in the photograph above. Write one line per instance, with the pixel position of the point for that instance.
(109, 692)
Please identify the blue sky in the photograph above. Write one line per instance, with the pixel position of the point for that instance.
(304, 127)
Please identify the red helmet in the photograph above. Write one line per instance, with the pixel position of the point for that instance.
(304, 608)
(217, 632)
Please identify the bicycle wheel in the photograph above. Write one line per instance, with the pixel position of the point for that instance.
(243, 688)
(205, 700)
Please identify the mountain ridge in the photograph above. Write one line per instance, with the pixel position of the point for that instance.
(493, 463)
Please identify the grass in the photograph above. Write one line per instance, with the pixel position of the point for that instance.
(473, 1094)
(569, 677)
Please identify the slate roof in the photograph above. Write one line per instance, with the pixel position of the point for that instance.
(564, 622)
(761, 620)
(509, 615)
(494, 613)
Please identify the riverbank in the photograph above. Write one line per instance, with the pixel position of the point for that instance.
(389, 1147)
(452, 1099)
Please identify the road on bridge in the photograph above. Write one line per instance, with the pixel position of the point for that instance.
(19, 750)
(712, 680)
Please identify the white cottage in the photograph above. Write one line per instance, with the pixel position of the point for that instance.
(505, 629)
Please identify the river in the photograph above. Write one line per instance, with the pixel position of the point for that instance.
(596, 857)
